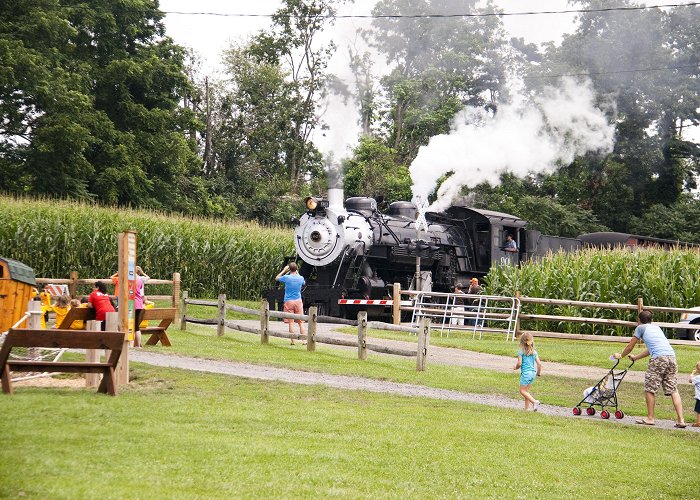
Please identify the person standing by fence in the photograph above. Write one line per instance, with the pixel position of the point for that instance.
(474, 289)
(139, 298)
(457, 316)
(293, 282)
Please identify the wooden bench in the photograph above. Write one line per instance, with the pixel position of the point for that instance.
(62, 339)
(166, 315)
(83, 314)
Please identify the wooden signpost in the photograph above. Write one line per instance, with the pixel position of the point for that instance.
(127, 279)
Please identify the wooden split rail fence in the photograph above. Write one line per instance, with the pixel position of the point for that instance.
(265, 314)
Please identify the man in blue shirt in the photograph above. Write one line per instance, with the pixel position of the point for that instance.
(511, 245)
(662, 370)
(292, 296)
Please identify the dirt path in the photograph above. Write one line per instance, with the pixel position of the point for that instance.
(461, 357)
(245, 370)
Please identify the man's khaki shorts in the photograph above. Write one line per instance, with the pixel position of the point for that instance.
(662, 372)
(294, 307)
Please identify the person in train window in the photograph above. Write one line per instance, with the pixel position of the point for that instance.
(511, 245)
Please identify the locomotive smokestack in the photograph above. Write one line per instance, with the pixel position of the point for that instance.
(336, 196)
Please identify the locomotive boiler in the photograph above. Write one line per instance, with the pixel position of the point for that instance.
(355, 251)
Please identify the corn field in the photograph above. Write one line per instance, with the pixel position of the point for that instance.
(56, 237)
(660, 278)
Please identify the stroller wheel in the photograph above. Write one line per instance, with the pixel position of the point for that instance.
(577, 410)
(619, 414)
(590, 411)
(605, 414)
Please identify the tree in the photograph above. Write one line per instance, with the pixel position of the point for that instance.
(293, 47)
(653, 81)
(372, 172)
(440, 64)
(365, 88)
(527, 198)
(251, 135)
(679, 221)
(90, 94)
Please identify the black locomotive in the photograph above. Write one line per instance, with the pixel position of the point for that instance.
(357, 252)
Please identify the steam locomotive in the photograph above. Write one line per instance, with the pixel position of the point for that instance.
(354, 251)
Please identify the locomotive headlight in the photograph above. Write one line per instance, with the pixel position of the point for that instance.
(311, 203)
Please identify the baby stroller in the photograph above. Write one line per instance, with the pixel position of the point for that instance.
(604, 394)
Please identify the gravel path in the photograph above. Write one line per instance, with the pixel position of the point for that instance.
(257, 372)
(461, 357)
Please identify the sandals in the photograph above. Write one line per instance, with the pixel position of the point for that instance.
(644, 422)
(680, 425)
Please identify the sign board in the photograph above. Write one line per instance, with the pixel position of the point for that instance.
(127, 282)
(422, 206)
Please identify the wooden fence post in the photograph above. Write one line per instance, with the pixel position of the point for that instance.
(423, 342)
(73, 285)
(311, 332)
(111, 325)
(222, 315)
(264, 322)
(397, 303)
(183, 319)
(34, 321)
(92, 356)
(176, 295)
(362, 335)
(640, 305)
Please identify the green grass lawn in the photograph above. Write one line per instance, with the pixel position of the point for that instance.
(201, 341)
(178, 434)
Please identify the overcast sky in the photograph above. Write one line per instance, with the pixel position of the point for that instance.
(209, 35)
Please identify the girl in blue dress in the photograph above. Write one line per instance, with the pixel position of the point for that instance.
(530, 367)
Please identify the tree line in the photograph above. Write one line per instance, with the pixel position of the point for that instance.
(98, 103)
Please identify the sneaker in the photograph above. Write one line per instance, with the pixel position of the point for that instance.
(536, 405)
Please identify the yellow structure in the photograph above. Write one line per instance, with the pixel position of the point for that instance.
(16, 283)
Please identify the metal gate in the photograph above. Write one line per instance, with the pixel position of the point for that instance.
(463, 312)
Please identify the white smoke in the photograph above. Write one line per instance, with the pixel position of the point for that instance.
(526, 135)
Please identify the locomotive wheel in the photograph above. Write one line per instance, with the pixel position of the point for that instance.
(577, 410)
(619, 414)
(605, 414)
(590, 411)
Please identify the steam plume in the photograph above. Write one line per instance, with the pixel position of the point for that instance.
(524, 136)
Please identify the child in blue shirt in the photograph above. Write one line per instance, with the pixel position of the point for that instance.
(527, 360)
(695, 380)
